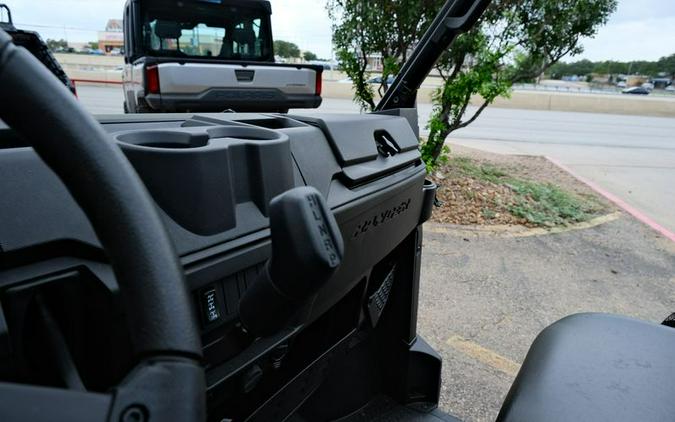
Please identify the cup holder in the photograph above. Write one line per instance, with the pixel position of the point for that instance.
(191, 171)
(190, 138)
(165, 139)
(243, 133)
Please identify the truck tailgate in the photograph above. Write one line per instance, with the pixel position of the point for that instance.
(194, 78)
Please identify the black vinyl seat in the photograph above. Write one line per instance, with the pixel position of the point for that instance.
(596, 367)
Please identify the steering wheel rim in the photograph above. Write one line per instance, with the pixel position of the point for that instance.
(161, 320)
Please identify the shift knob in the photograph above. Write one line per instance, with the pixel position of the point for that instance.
(307, 249)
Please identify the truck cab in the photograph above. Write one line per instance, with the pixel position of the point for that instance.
(211, 56)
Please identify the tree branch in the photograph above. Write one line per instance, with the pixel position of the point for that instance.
(474, 117)
(443, 75)
(458, 66)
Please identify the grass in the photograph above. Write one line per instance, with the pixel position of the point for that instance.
(540, 204)
(487, 173)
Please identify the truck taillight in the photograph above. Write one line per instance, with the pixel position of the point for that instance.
(152, 79)
(319, 77)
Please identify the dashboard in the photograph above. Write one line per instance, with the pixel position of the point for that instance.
(212, 177)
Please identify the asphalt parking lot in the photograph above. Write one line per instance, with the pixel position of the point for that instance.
(485, 297)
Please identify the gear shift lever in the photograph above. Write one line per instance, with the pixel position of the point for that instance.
(307, 249)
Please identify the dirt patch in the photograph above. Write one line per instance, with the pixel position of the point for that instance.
(480, 188)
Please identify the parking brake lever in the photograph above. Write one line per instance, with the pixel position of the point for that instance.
(307, 249)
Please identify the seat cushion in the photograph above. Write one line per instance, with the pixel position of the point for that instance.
(596, 367)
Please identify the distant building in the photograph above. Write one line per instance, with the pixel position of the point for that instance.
(636, 80)
(375, 63)
(77, 46)
(113, 36)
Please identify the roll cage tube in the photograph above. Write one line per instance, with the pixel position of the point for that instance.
(455, 17)
(5, 9)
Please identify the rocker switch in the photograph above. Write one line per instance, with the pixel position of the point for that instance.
(209, 305)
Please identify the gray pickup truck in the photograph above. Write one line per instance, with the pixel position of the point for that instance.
(209, 55)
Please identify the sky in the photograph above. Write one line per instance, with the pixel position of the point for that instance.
(638, 30)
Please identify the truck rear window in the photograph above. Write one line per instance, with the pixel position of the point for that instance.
(225, 33)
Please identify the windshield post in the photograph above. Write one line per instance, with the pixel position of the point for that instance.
(455, 17)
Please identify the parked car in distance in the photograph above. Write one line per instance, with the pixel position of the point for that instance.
(621, 84)
(648, 85)
(636, 90)
(670, 88)
(378, 80)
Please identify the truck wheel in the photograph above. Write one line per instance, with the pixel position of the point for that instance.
(143, 107)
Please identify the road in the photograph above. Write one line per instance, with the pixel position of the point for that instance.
(630, 157)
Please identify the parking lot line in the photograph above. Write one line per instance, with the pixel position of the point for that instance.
(483, 355)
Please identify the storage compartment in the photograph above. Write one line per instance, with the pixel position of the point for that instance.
(244, 133)
(69, 329)
(270, 122)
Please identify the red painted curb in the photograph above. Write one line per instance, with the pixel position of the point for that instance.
(617, 201)
(95, 81)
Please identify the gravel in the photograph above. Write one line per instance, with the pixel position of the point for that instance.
(470, 201)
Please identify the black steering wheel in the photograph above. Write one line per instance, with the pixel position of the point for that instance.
(167, 382)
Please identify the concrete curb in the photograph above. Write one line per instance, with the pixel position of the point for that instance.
(505, 231)
(618, 202)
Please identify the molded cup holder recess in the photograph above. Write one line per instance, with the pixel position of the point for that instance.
(191, 138)
(191, 171)
(165, 139)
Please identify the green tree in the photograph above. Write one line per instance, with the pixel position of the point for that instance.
(309, 56)
(93, 45)
(514, 41)
(384, 29)
(56, 45)
(665, 65)
(286, 49)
